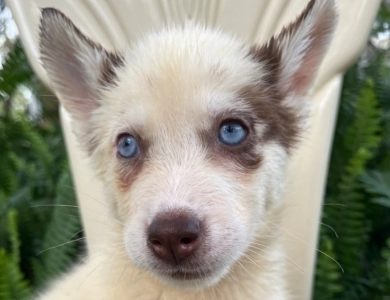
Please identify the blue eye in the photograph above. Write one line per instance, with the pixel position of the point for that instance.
(232, 133)
(127, 146)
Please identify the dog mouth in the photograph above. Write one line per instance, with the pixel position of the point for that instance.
(188, 275)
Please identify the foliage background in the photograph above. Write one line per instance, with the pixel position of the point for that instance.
(39, 239)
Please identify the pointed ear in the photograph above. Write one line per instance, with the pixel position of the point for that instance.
(294, 56)
(78, 68)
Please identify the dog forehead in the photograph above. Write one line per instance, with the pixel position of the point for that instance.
(183, 75)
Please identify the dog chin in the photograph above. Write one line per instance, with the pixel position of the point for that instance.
(191, 279)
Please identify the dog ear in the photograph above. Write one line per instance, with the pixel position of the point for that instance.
(293, 57)
(78, 68)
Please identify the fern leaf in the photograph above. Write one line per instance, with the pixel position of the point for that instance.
(8, 178)
(361, 139)
(378, 183)
(5, 289)
(65, 223)
(15, 71)
(12, 284)
(14, 235)
(327, 272)
(20, 288)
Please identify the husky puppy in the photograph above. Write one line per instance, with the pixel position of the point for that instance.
(190, 131)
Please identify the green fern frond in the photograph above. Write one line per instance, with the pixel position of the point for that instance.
(378, 183)
(65, 226)
(380, 275)
(8, 177)
(359, 143)
(37, 144)
(385, 269)
(18, 199)
(15, 71)
(328, 272)
(14, 235)
(23, 136)
(363, 133)
(20, 288)
(5, 288)
(12, 284)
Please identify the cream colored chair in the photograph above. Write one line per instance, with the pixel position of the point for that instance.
(116, 23)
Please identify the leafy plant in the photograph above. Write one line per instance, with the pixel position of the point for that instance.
(359, 180)
(378, 183)
(36, 194)
(38, 211)
(12, 283)
(349, 219)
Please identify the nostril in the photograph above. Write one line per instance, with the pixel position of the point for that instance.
(186, 240)
(155, 242)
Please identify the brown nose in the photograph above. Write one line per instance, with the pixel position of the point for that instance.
(173, 236)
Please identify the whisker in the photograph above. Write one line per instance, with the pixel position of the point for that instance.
(80, 231)
(79, 191)
(72, 241)
(100, 222)
(53, 205)
(287, 231)
(290, 260)
(330, 228)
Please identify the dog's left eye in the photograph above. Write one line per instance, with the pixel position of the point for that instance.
(127, 146)
(232, 133)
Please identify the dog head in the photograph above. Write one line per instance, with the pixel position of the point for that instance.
(190, 132)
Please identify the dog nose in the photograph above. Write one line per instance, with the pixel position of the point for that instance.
(174, 236)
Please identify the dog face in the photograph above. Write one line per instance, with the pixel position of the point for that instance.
(190, 131)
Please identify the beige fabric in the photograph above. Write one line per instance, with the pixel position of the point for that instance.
(117, 23)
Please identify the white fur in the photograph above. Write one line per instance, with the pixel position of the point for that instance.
(169, 89)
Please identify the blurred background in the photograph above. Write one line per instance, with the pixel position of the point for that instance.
(40, 228)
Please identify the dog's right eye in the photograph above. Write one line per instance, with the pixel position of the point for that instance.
(232, 133)
(127, 146)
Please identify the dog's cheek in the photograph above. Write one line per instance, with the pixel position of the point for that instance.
(134, 239)
(132, 206)
(147, 197)
(250, 185)
(229, 210)
(272, 177)
(126, 174)
(259, 190)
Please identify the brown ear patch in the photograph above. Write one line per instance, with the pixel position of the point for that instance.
(288, 30)
(112, 61)
(270, 57)
(266, 97)
(293, 57)
(270, 53)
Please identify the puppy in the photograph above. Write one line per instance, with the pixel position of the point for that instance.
(190, 132)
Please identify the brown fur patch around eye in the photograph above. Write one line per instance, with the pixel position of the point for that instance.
(128, 169)
(245, 155)
(282, 123)
(277, 122)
